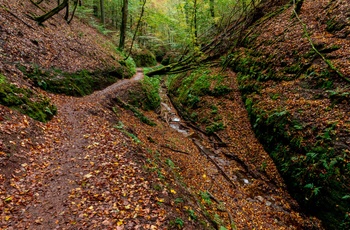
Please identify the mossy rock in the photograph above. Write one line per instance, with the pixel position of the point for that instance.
(143, 94)
(26, 101)
(144, 58)
(80, 83)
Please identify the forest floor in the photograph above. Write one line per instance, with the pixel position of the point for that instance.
(90, 167)
(96, 166)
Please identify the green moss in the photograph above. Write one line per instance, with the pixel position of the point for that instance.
(189, 89)
(144, 58)
(129, 66)
(150, 87)
(74, 84)
(26, 101)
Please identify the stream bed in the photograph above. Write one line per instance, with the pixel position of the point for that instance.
(170, 115)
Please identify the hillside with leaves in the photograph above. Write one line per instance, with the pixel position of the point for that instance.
(292, 65)
(248, 128)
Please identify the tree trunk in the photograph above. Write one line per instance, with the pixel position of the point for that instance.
(137, 27)
(123, 24)
(95, 8)
(75, 7)
(102, 7)
(212, 9)
(67, 12)
(195, 32)
(51, 13)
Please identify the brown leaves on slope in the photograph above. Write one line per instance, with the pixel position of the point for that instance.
(70, 47)
(82, 175)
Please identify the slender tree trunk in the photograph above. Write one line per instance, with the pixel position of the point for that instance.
(212, 9)
(75, 7)
(102, 7)
(51, 13)
(67, 12)
(95, 8)
(195, 26)
(137, 27)
(123, 24)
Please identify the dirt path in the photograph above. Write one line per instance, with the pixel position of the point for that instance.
(82, 175)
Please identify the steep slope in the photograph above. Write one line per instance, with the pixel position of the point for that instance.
(52, 46)
(293, 71)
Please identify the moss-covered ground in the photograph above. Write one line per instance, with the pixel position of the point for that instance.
(26, 101)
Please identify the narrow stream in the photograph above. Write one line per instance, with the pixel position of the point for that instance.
(172, 118)
(169, 113)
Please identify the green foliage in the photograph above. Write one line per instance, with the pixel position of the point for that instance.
(205, 197)
(136, 112)
(170, 163)
(26, 101)
(178, 200)
(339, 95)
(214, 127)
(218, 221)
(334, 25)
(129, 64)
(316, 174)
(179, 222)
(192, 214)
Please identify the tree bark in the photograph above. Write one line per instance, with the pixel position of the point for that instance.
(212, 9)
(51, 13)
(123, 24)
(195, 26)
(75, 7)
(95, 8)
(102, 8)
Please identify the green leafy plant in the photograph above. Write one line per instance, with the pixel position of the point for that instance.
(214, 127)
(192, 214)
(120, 126)
(178, 200)
(179, 222)
(170, 163)
(205, 197)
